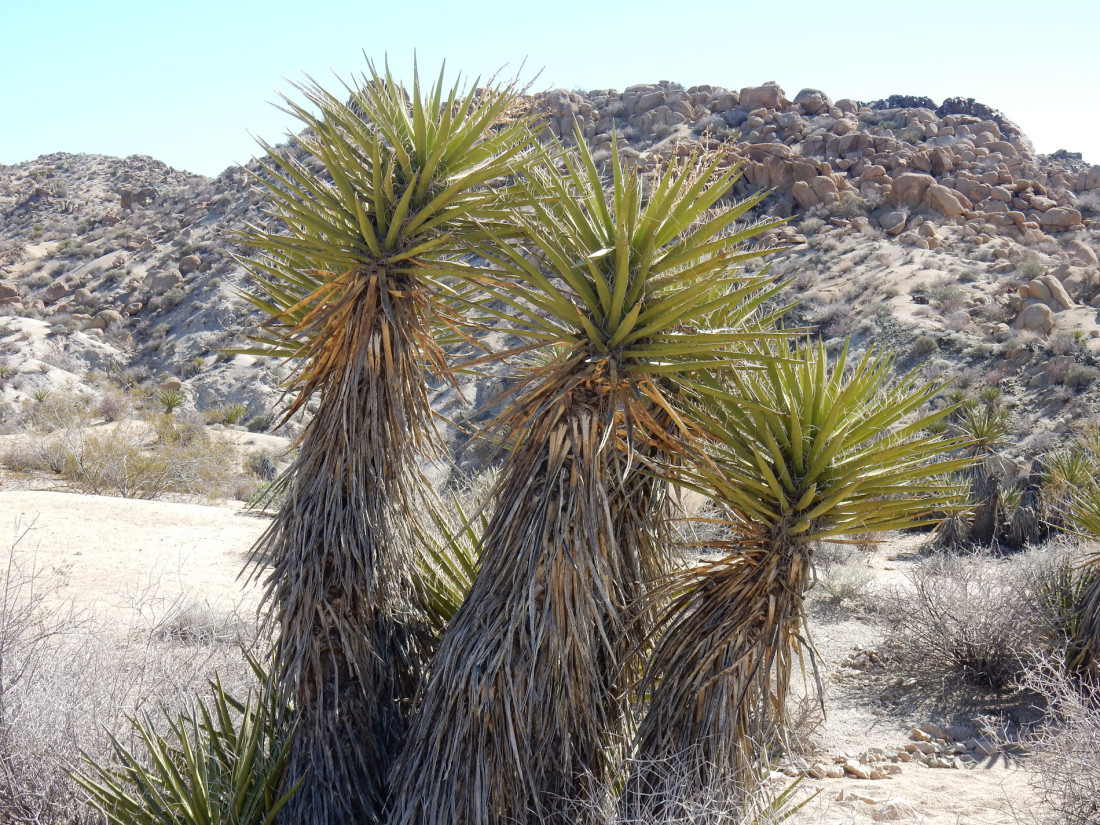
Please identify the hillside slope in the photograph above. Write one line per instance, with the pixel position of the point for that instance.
(933, 229)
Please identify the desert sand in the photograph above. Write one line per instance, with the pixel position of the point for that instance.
(107, 553)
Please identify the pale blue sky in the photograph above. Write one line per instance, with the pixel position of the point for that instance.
(188, 82)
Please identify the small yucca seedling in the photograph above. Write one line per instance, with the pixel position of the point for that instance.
(937, 427)
(990, 395)
(957, 395)
(171, 400)
(234, 413)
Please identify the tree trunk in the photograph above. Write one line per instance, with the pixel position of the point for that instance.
(348, 649)
(526, 698)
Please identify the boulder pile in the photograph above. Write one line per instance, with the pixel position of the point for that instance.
(897, 161)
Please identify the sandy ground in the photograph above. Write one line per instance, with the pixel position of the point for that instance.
(107, 553)
(992, 794)
(997, 791)
(103, 552)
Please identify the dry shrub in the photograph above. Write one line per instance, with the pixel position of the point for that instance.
(190, 620)
(847, 584)
(1066, 748)
(122, 462)
(115, 405)
(70, 679)
(806, 725)
(683, 800)
(244, 486)
(970, 621)
(132, 459)
(842, 575)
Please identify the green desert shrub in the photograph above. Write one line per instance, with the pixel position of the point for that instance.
(1079, 376)
(1029, 265)
(258, 424)
(924, 345)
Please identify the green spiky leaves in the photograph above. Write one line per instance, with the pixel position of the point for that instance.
(383, 185)
(636, 279)
(820, 450)
(221, 764)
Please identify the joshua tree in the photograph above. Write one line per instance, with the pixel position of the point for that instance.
(380, 188)
(803, 451)
(652, 355)
(633, 297)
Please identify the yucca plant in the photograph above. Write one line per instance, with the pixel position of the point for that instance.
(448, 561)
(632, 294)
(170, 399)
(985, 430)
(393, 182)
(990, 396)
(1027, 514)
(224, 763)
(1009, 498)
(1066, 472)
(985, 427)
(960, 400)
(805, 450)
(953, 528)
(1082, 513)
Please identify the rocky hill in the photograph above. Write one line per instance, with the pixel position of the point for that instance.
(934, 229)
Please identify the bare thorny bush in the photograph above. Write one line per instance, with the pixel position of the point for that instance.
(69, 678)
(146, 458)
(843, 578)
(1066, 748)
(976, 622)
(684, 800)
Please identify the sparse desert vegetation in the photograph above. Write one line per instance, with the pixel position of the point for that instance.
(550, 649)
(74, 674)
